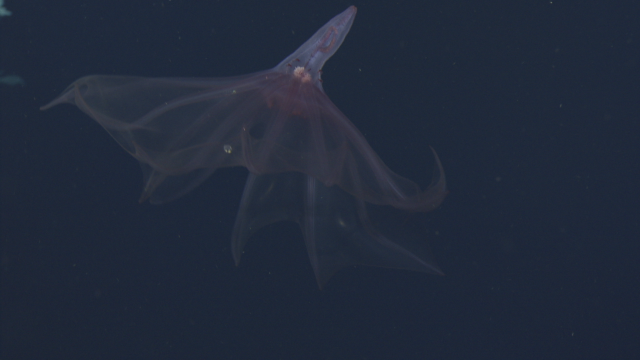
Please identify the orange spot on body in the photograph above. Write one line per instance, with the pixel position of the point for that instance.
(302, 74)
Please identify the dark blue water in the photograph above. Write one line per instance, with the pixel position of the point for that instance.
(532, 107)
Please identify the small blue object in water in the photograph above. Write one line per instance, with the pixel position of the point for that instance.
(9, 79)
(3, 10)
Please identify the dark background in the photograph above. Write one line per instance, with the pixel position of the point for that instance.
(531, 105)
